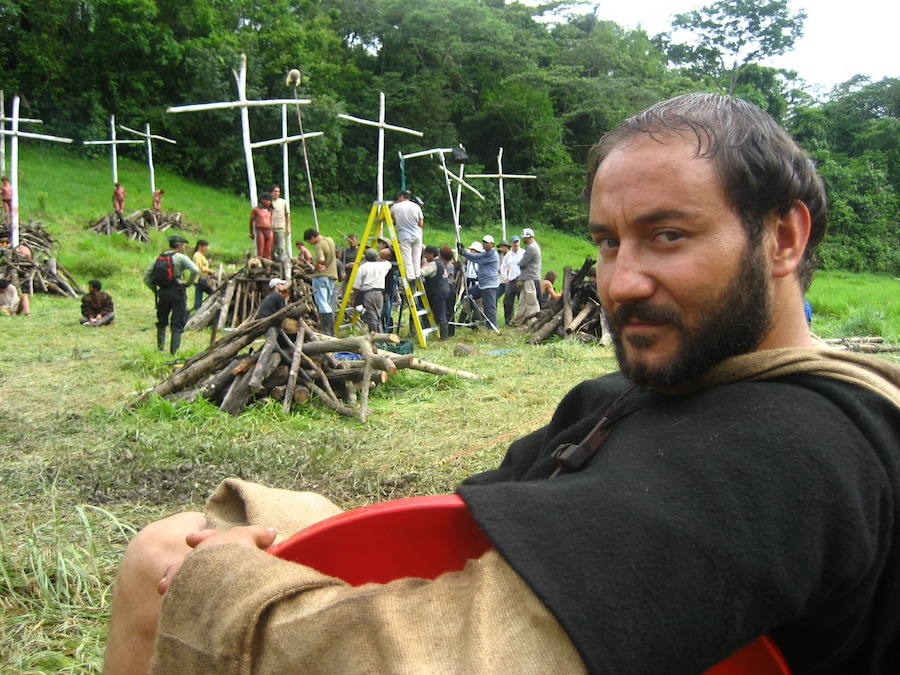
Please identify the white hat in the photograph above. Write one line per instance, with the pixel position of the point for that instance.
(488, 238)
(274, 282)
(527, 232)
(476, 246)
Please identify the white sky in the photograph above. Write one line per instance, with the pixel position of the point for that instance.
(840, 39)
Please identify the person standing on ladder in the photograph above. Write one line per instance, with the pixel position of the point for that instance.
(324, 278)
(409, 222)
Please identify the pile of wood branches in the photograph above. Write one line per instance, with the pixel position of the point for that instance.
(138, 224)
(41, 272)
(858, 343)
(293, 365)
(575, 314)
(238, 297)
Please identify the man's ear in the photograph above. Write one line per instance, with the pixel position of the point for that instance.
(787, 235)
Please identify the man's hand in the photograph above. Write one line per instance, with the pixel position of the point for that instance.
(460, 248)
(251, 536)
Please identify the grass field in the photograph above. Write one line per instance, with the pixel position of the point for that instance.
(79, 472)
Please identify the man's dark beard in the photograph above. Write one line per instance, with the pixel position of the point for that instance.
(731, 324)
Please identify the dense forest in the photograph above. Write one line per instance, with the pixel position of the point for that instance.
(544, 82)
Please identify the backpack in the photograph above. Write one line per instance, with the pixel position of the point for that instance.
(163, 274)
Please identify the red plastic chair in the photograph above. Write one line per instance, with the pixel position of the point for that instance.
(427, 536)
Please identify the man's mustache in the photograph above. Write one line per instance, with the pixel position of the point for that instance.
(644, 310)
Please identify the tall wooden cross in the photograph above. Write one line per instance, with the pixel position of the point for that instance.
(113, 142)
(15, 135)
(148, 139)
(500, 175)
(381, 127)
(283, 141)
(3, 119)
(243, 104)
(449, 177)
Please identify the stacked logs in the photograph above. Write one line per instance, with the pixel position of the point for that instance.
(238, 297)
(575, 314)
(858, 343)
(41, 271)
(137, 225)
(293, 365)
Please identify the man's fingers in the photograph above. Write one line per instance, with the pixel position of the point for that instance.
(195, 538)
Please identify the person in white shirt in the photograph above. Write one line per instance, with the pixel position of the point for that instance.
(409, 221)
(509, 275)
(369, 287)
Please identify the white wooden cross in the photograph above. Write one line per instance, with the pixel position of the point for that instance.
(381, 127)
(113, 142)
(3, 119)
(449, 177)
(242, 103)
(149, 138)
(500, 175)
(15, 134)
(286, 194)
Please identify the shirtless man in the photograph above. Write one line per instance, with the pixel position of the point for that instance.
(118, 198)
(157, 198)
(261, 226)
(6, 193)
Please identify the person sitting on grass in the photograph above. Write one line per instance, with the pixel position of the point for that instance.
(11, 301)
(96, 306)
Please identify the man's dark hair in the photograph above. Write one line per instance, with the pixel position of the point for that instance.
(310, 234)
(4, 284)
(265, 196)
(202, 242)
(433, 250)
(406, 194)
(95, 284)
(761, 168)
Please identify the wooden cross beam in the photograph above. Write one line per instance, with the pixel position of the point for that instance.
(243, 104)
(449, 177)
(3, 119)
(113, 142)
(381, 127)
(500, 175)
(149, 138)
(15, 134)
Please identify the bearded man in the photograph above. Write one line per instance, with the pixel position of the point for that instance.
(730, 481)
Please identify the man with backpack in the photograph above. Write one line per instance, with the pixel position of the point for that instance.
(165, 277)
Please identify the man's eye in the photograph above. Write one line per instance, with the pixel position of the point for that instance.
(667, 236)
(605, 244)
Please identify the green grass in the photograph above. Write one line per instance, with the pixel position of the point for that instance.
(79, 471)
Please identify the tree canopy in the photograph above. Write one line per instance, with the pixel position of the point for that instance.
(487, 73)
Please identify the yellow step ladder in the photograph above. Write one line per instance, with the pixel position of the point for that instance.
(379, 220)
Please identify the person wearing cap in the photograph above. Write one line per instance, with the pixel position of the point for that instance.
(96, 306)
(437, 273)
(530, 279)
(261, 226)
(488, 276)
(324, 277)
(275, 300)
(509, 275)
(171, 299)
(369, 287)
(409, 221)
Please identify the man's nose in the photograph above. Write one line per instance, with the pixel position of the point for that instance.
(628, 279)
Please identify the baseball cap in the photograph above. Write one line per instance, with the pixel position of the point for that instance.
(274, 282)
(527, 232)
(513, 238)
(177, 239)
(502, 243)
(476, 246)
(488, 238)
(371, 254)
